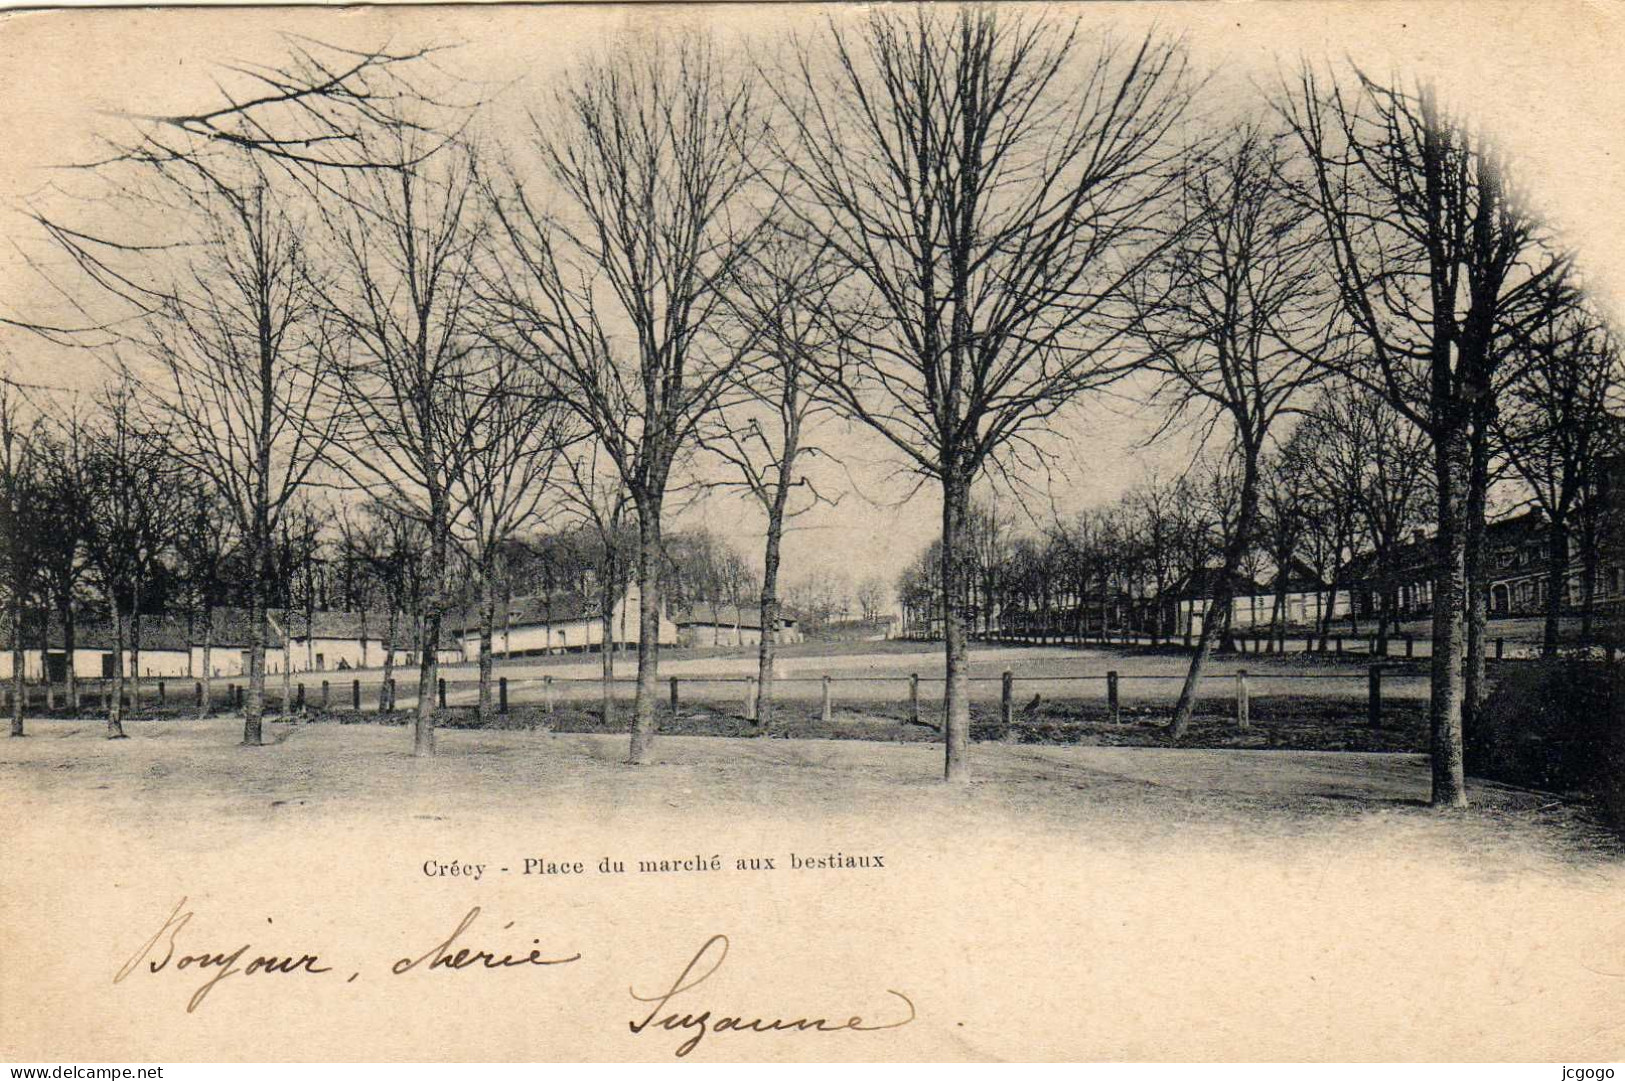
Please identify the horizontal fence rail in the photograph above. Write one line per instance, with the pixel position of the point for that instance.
(1371, 690)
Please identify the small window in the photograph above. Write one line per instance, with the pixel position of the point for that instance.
(321, 662)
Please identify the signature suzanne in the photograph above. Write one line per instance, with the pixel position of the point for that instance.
(705, 964)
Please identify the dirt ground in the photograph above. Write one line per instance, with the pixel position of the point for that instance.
(196, 767)
(1087, 902)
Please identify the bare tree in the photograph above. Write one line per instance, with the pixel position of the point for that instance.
(518, 432)
(1438, 263)
(1234, 318)
(621, 297)
(1555, 421)
(983, 189)
(19, 481)
(764, 434)
(406, 243)
(601, 505)
(248, 372)
(204, 536)
(132, 491)
(64, 522)
(388, 545)
(872, 597)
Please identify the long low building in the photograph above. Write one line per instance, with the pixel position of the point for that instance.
(563, 623)
(1307, 601)
(176, 647)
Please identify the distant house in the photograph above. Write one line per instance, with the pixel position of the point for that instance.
(538, 625)
(334, 641)
(1516, 551)
(163, 650)
(1254, 605)
(730, 625)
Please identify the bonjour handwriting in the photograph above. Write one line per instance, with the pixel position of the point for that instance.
(674, 1006)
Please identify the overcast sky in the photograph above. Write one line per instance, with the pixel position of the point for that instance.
(1542, 78)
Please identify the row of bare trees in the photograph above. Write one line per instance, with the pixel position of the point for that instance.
(944, 227)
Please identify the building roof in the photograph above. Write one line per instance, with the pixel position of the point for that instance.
(228, 628)
(348, 625)
(747, 617)
(533, 611)
(1201, 583)
(157, 633)
(1416, 556)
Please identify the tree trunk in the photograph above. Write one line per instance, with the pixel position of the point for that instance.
(135, 653)
(254, 701)
(606, 643)
(1557, 572)
(115, 710)
(429, 657)
(770, 611)
(1589, 557)
(287, 662)
(69, 647)
(1474, 561)
(956, 652)
(389, 653)
(45, 658)
(488, 620)
(1217, 620)
(1451, 466)
(643, 723)
(208, 663)
(18, 687)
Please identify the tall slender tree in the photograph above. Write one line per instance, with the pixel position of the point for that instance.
(1439, 264)
(984, 185)
(1236, 317)
(620, 294)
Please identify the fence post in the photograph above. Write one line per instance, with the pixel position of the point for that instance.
(547, 693)
(442, 689)
(199, 689)
(1500, 643)
(1112, 706)
(355, 693)
(502, 695)
(1410, 646)
(914, 698)
(674, 698)
(750, 698)
(327, 695)
(1340, 643)
(298, 698)
(1243, 719)
(1373, 706)
(825, 711)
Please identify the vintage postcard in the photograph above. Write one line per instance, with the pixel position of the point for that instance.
(813, 533)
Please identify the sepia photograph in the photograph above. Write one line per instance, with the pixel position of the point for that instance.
(813, 532)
